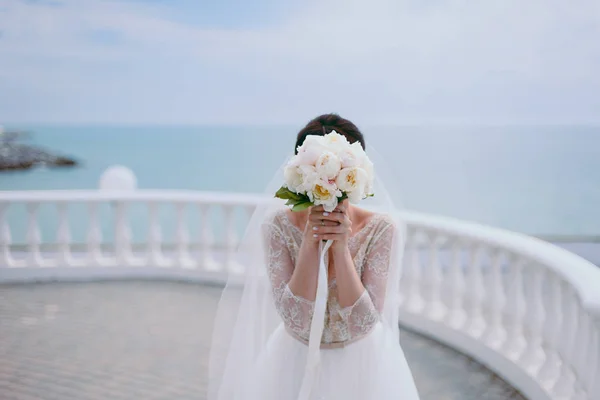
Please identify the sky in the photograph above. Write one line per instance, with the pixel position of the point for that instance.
(279, 62)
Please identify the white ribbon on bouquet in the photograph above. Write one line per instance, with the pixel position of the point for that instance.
(317, 325)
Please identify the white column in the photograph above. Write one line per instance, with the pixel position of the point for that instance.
(456, 316)
(515, 309)
(122, 235)
(182, 236)
(414, 299)
(495, 334)
(534, 356)
(5, 238)
(580, 355)
(94, 236)
(230, 240)
(63, 236)
(34, 238)
(154, 249)
(475, 324)
(552, 329)
(589, 356)
(434, 309)
(565, 385)
(207, 261)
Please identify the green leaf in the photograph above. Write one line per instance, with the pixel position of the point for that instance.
(301, 206)
(286, 194)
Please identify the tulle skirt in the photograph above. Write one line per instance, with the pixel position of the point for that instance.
(373, 367)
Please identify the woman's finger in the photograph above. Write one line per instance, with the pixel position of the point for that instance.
(324, 230)
(317, 218)
(331, 236)
(323, 223)
(340, 208)
(333, 216)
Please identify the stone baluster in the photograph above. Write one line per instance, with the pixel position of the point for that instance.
(154, 245)
(434, 308)
(475, 324)
(414, 299)
(230, 240)
(582, 348)
(183, 238)
(94, 236)
(206, 240)
(564, 387)
(515, 309)
(495, 334)
(122, 235)
(590, 357)
(34, 237)
(5, 237)
(533, 357)
(456, 316)
(552, 329)
(63, 236)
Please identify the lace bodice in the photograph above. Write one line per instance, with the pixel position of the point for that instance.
(370, 249)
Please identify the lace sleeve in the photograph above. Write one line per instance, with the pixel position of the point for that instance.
(295, 311)
(362, 316)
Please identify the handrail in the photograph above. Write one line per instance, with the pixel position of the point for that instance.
(527, 309)
(581, 273)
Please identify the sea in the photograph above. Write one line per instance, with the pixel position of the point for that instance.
(540, 180)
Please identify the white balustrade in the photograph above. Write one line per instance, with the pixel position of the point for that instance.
(475, 324)
(94, 236)
(457, 316)
(206, 240)
(63, 236)
(434, 308)
(552, 333)
(413, 300)
(495, 333)
(526, 309)
(515, 343)
(182, 238)
(33, 236)
(534, 356)
(5, 237)
(154, 245)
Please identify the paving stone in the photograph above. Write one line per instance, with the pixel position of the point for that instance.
(149, 340)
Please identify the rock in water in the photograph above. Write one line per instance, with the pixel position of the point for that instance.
(19, 156)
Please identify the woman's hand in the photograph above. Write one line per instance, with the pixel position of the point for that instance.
(335, 225)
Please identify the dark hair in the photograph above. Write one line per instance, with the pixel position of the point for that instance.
(326, 123)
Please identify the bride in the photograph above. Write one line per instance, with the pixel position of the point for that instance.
(266, 343)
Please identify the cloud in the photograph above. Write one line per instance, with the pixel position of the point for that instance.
(387, 61)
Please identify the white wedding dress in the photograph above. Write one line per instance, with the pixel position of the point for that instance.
(267, 344)
(360, 358)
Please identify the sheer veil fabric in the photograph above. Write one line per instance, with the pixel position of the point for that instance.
(255, 352)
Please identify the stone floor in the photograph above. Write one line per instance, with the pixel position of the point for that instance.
(150, 340)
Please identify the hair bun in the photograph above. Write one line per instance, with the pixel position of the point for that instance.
(326, 123)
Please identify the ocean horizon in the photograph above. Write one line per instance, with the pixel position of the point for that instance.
(539, 180)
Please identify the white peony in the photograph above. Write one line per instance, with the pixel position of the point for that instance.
(326, 194)
(335, 142)
(352, 155)
(367, 165)
(300, 178)
(310, 150)
(328, 165)
(353, 181)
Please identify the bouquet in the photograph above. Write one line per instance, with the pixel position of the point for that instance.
(327, 170)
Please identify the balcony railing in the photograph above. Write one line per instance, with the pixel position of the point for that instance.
(526, 309)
